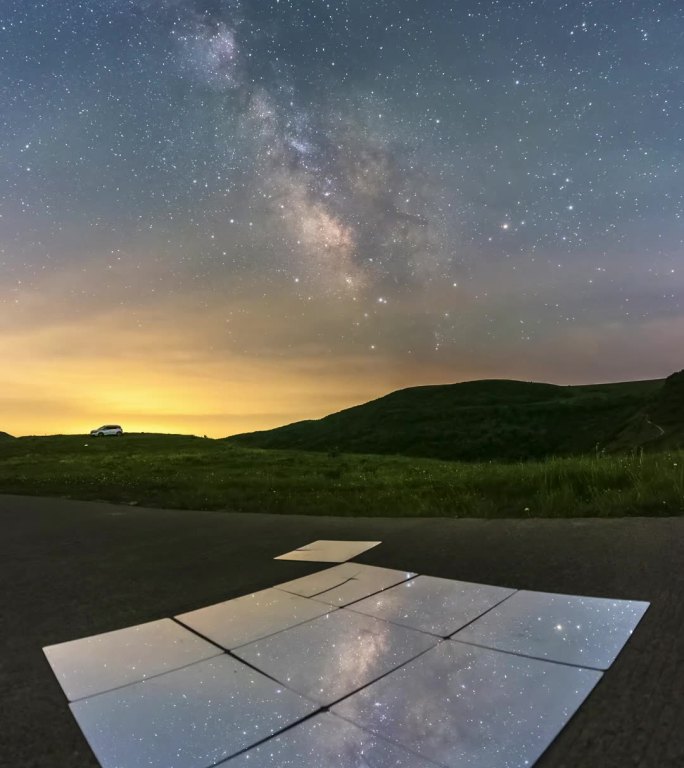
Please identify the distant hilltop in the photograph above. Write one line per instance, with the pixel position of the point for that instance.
(86, 435)
(496, 419)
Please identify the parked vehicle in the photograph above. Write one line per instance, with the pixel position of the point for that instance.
(108, 429)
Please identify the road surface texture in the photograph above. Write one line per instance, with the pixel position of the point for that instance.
(71, 568)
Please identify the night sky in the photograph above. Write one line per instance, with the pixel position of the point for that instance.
(222, 215)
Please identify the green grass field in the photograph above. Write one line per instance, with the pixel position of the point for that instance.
(196, 473)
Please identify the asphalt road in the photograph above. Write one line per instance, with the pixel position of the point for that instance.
(70, 569)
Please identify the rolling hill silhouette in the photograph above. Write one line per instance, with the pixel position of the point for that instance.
(495, 420)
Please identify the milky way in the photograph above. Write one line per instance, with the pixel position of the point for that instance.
(364, 194)
(345, 202)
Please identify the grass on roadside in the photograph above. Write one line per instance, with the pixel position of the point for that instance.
(195, 473)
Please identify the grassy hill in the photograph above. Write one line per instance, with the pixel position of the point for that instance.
(494, 420)
(6, 436)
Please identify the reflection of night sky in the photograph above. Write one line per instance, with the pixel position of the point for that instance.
(429, 604)
(425, 191)
(196, 715)
(469, 706)
(334, 655)
(326, 740)
(565, 628)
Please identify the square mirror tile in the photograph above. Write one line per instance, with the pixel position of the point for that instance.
(460, 705)
(326, 741)
(439, 606)
(240, 621)
(328, 551)
(102, 662)
(345, 583)
(191, 718)
(329, 657)
(587, 631)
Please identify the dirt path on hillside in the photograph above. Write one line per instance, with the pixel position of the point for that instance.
(661, 431)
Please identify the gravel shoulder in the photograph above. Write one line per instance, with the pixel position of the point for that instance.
(70, 569)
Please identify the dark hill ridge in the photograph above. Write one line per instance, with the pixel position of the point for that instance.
(668, 409)
(660, 424)
(6, 436)
(491, 419)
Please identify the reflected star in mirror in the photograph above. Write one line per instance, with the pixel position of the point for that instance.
(587, 631)
(430, 604)
(459, 705)
(190, 718)
(327, 741)
(334, 655)
(99, 663)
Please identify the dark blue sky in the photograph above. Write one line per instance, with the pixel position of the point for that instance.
(331, 199)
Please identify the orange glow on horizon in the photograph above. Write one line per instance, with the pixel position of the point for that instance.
(185, 365)
(60, 384)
